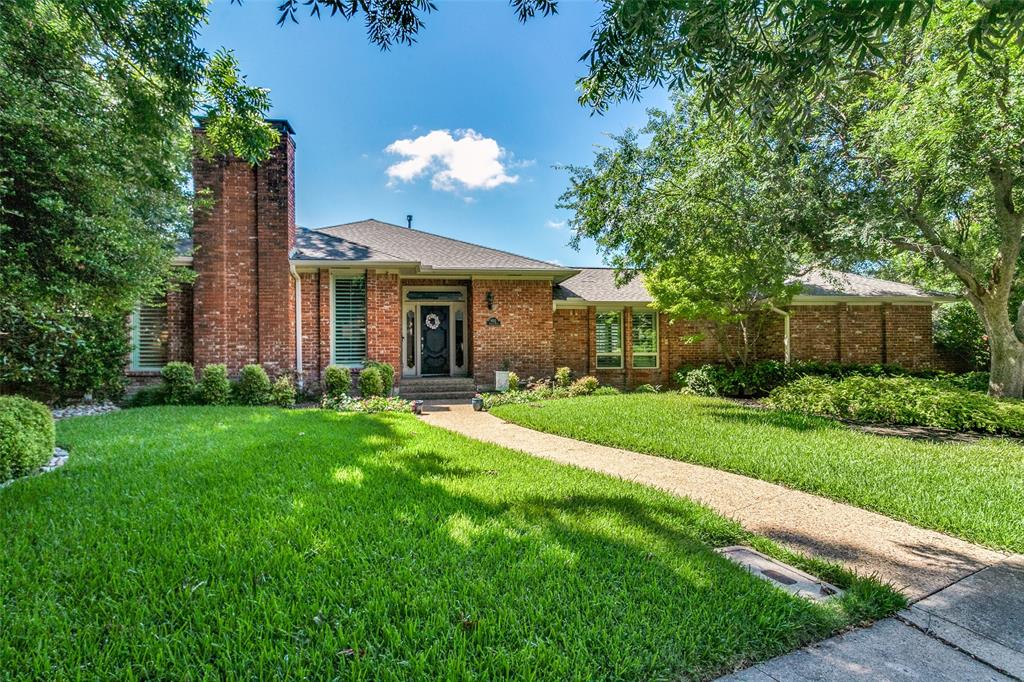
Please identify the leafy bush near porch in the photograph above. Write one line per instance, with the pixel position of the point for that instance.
(543, 390)
(387, 375)
(337, 380)
(214, 387)
(584, 386)
(26, 436)
(253, 387)
(179, 383)
(370, 382)
(900, 400)
(563, 377)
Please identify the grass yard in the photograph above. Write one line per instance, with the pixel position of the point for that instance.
(974, 491)
(246, 542)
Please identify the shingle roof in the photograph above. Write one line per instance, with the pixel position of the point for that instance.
(823, 282)
(598, 285)
(431, 251)
(315, 245)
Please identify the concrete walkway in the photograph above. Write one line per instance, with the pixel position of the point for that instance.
(968, 619)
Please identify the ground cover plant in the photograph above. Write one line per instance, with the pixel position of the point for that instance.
(901, 400)
(187, 542)
(974, 491)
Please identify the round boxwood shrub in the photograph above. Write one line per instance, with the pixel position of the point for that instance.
(584, 386)
(253, 387)
(387, 375)
(180, 383)
(337, 381)
(370, 382)
(214, 387)
(26, 436)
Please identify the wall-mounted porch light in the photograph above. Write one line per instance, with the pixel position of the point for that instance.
(490, 300)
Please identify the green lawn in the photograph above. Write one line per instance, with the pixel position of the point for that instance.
(246, 542)
(973, 491)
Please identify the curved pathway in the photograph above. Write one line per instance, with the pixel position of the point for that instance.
(968, 598)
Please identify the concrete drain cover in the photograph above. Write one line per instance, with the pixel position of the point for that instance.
(790, 579)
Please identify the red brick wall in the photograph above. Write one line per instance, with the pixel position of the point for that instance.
(179, 324)
(312, 340)
(244, 295)
(526, 332)
(384, 319)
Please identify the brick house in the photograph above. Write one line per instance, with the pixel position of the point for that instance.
(297, 300)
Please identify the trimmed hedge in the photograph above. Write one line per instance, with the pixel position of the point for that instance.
(900, 400)
(387, 375)
(282, 393)
(179, 383)
(253, 387)
(214, 388)
(26, 436)
(371, 383)
(337, 381)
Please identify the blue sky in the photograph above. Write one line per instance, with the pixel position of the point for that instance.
(383, 134)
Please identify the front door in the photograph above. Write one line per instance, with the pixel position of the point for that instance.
(434, 350)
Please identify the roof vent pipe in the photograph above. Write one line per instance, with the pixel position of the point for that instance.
(408, 219)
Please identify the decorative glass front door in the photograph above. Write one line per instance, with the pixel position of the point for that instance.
(435, 352)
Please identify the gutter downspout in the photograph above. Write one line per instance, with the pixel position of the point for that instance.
(299, 379)
(785, 332)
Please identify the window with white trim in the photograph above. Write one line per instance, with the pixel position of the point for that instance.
(645, 339)
(149, 336)
(608, 339)
(350, 321)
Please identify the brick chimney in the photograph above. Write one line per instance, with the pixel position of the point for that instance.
(244, 309)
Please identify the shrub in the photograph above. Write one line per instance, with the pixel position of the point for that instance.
(282, 393)
(900, 400)
(179, 382)
(370, 382)
(337, 380)
(513, 381)
(214, 388)
(703, 381)
(606, 390)
(645, 388)
(563, 377)
(971, 381)
(26, 436)
(146, 397)
(387, 375)
(253, 387)
(584, 386)
(959, 331)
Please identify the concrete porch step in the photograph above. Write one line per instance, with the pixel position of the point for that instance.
(437, 388)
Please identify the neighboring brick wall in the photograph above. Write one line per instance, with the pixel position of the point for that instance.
(814, 332)
(909, 338)
(526, 332)
(244, 295)
(384, 319)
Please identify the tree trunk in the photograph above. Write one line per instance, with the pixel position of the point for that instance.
(1006, 378)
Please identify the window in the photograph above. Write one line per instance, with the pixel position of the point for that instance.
(350, 321)
(149, 336)
(608, 337)
(645, 339)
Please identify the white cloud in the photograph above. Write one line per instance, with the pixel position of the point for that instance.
(466, 161)
(554, 224)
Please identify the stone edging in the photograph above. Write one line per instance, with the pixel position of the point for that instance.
(59, 459)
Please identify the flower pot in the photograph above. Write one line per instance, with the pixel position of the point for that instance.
(478, 404)
(417, 407)
(501, 380)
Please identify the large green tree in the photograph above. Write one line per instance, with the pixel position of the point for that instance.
(921, 151)
(96, 99)
(705, 213)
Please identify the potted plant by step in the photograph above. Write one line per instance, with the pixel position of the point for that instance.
(501, 375)
(478, 403)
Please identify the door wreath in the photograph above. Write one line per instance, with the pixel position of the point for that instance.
(432, 321)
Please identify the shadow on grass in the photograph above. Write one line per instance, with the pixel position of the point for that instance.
(748, 416)
(273, 540)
